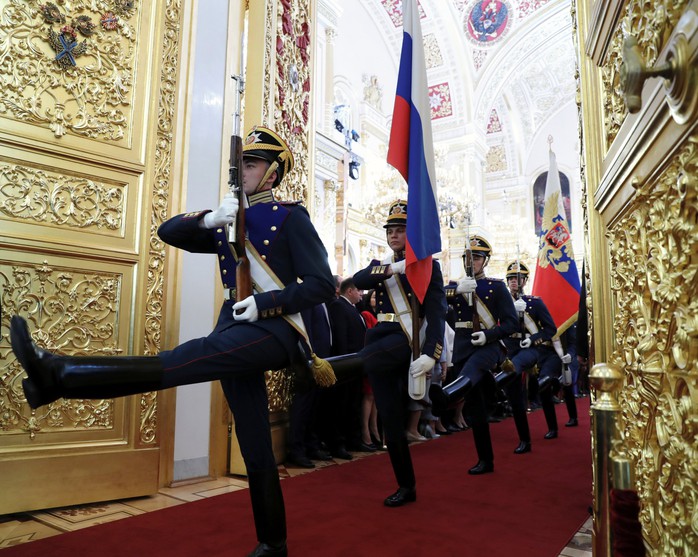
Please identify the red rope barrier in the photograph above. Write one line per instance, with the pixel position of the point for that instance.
(626, 531)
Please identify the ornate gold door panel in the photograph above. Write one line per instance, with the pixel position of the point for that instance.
(87, 160)
(641, 172)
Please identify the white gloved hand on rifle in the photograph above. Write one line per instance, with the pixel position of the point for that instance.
(566, 358)
(520, 305)
(225, 214)
(250, 313)
(478, 339)
(398, 267)
(468, 285)
(525, 343)
(422, 365)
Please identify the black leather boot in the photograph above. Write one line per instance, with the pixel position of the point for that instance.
(443, 397)
(51, 377)
(548, 383)
(571, 404)
(404, 474)
(550, 416)
(521, 422)
(269, 513)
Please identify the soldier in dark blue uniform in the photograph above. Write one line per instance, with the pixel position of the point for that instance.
(241, 347)
(388, 351)
(533, 345)
(478, 349)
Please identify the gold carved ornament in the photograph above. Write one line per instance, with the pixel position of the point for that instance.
(656, 331)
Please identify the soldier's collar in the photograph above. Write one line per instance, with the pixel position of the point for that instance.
(398, 255)
(265, 196)
(480, 275)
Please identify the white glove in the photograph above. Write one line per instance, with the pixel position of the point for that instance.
(478, 339)
(250, 313)
(225, 214)
(422, 365)
(566, 359)
(467, 285)
(525, 343)
(520, 305)
(398, 267)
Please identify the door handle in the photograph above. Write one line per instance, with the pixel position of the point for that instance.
(679, 70)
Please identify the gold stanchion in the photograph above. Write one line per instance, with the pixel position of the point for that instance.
(606, 379)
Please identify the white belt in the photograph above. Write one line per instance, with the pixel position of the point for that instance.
(387, 318)
(464, 324)
(230, 293)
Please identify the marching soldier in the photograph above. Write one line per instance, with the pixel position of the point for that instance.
(256, 334)
(533, 345)
(484, 316)
(388, 352)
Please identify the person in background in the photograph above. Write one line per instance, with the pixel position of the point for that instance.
(371, 439)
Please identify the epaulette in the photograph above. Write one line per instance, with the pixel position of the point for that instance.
(194, 214)
(289, 203)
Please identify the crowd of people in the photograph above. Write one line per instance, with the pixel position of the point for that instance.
(454, 357)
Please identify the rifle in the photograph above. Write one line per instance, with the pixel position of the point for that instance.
(468, 264)
(519, 294)
(237, 233)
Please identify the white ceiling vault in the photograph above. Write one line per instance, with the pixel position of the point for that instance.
(499, 87)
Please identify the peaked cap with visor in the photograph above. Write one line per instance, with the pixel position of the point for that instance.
(263, 143)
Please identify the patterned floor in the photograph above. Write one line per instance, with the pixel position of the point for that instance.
(20, 528)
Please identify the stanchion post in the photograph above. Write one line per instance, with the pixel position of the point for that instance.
(606, 379)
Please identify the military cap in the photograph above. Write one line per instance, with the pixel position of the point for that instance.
(479, 245)
(262, 143)
(515, 268)
(397, 214)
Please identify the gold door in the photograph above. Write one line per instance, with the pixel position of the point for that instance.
(640, 155)
(88, 163)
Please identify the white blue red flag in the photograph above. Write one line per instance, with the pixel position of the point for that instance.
(556, 280)
(411, 152)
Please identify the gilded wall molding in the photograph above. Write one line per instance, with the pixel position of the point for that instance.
(61, 199)
(69, 69)
(72, 311)
(651, 23)
(162, 186)
(657, 345)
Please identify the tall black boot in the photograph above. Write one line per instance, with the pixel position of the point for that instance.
(401, 460)
(443, 397)
(521, 422)
(51, 377)
(550, 415)
(269, 513)
(483, 446)
(571, 404)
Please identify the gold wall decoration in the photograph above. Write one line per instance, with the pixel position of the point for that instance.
(61, 199)
(71, 312)
(41, 85)
(657, 339)
(651, 22)
(292, 91)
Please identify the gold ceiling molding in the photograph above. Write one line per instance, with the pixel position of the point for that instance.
(650, 22)
(657, 330)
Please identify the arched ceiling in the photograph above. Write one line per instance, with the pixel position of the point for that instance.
(511, 61)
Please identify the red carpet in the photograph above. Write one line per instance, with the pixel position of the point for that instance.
(530, 507)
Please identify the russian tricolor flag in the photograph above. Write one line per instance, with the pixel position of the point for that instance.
(556, 280)
(411, 152)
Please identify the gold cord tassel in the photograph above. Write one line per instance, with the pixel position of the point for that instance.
(322, 372)
(507, 365)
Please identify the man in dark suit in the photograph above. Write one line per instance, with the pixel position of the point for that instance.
(343, 400)
(256, 334)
